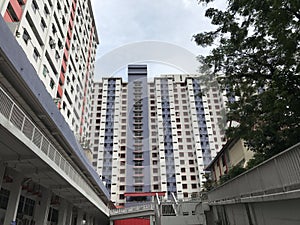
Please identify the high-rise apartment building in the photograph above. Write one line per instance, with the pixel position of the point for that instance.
(60, 39)
(155, 136)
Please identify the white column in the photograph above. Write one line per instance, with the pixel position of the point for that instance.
(42, 208)
(151, 220)
(2, 171)
(111, 222)
(3, 6)
(62, 212)
(89, 219)
(13, 201)
(79, 217)
(69, 217)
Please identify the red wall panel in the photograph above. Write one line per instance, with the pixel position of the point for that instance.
(133, 221)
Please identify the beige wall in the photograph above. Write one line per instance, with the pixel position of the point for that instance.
(234, 154)
(239, 153)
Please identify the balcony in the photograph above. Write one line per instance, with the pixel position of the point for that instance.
(138, 159)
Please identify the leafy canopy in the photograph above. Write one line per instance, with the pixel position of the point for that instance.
(257, 61)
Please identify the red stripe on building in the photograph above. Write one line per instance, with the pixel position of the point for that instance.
(17, 8)
(7, 17)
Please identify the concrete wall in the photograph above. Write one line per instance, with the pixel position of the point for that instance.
(285, 212)
(182, 220)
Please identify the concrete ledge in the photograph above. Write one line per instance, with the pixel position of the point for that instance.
(295, 194)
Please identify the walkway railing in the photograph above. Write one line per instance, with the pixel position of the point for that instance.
(134, 209)
(10, 110)
(278, 174)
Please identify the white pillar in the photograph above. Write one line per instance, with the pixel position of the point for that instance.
(3, 6)
(13, 201)
(88, 220)
(42, 208)
(79, 217)
(69, 217)
(2, 171)
(62, 212)
(151, 220)
(111, 222)
(91, 220)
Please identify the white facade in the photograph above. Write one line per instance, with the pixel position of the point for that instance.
(191, 147)
(60, 40)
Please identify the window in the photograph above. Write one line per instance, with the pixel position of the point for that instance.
(53, 29)
(46, 10)
(26, 206)
(4, 195)
(138, 188)
(122, 188)
(26, 36)
(138, 180)
(138, 163)
(34, 6)
(223, 160)
(43, 24)
(36, 54)
(45, 71)
(52, 83)
(53, 215)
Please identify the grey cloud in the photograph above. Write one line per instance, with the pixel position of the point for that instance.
(121, 22)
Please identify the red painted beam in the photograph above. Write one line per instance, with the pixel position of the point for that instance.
(142, 194)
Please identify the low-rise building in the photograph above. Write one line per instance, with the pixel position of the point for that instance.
(233, 153)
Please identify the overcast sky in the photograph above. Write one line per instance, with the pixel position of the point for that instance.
(120, 22)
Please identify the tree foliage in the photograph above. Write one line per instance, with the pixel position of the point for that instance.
(208, 184)
(233, 172)
(257, 61)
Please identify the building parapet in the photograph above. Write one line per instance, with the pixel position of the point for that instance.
(276, 178)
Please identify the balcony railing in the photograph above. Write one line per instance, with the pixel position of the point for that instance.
(19, 120)
(280, 174)
(134, 209)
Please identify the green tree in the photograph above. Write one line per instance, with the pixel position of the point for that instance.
(208, 184)
(256, 59)
(233, 172)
